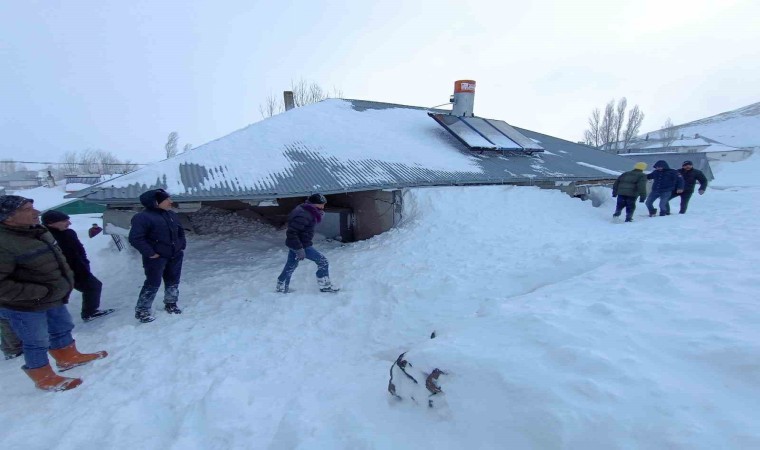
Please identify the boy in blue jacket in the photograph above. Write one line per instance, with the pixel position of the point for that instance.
(157, 234)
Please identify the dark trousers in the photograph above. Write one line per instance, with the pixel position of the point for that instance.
(685, 197)
(157, 269)
(9, 342)
(629, 203)
(90, 287)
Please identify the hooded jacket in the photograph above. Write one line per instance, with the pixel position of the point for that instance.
(34, 275)
(155, 230)
(665, 180)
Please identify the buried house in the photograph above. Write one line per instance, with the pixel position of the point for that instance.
(361, 155)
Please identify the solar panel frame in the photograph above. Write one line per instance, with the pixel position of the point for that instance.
(507, 130)
(479, 133)
(491, 133)
(464, 132)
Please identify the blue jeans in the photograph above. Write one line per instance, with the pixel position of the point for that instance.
(311, 254)
(40, 331)
(664, 197)
(167, 269)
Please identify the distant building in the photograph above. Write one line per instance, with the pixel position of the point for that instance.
(714, 150)
(24, 179)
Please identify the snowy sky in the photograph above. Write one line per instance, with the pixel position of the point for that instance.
(120, 76)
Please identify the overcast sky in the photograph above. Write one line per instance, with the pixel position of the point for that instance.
(120, 75)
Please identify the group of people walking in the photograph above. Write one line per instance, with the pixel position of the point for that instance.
(667, 184)
(41, 263)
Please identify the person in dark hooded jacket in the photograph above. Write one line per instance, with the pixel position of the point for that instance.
(666, 181)
(157, 234)
(299, 236)
(627, 187)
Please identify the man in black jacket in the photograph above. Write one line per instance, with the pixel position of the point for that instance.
(690, 177)
(157, 234)
(84, 281)
(301, 223)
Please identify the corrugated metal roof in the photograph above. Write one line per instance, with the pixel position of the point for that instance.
(310, 167)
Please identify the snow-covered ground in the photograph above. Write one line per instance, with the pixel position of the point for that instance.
(556, 328)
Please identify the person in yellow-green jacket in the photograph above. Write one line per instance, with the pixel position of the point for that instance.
(627, 187)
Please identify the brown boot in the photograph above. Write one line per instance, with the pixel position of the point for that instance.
(47, 380)
(69, 357)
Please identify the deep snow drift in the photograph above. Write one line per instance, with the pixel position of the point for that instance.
(556, 328)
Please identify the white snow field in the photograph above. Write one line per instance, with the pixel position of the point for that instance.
(557, 329)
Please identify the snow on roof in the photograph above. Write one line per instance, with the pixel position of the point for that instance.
(339, 146)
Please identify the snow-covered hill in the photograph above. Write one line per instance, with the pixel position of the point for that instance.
(556, 328)
(737, 128)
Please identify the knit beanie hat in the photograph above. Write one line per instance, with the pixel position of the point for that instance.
(10, 203)
(687, 163)
(53, 216)
(317, 199)
(161, 195)
(640, 165)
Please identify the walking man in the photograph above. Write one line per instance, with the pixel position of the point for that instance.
(690, 177)
(157, 234)
(58, 224)
(666, 181)
(35, 283)
(627, 187)
(301, 223)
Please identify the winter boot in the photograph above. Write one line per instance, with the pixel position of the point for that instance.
(14, 355)
(282, 288)
(97, 313)
(652, 212)
(144, 316)
(325, 285)
(629, 219)
(47, 380)
(69, 357)
(171, 308)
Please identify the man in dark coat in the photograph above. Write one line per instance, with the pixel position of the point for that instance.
(58, 224)
(35, 283)
(299, 236)
(666, 181)
(690, 177)
(159, 237)
(627, 187)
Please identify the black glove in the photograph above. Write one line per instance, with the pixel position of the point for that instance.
(642, 199)
(300, 254)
